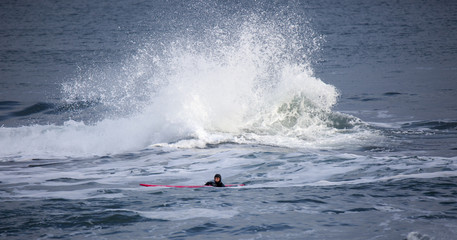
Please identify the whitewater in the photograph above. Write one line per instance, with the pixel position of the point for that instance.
(290, 99)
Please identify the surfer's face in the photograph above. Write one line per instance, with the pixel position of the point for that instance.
(217, 179)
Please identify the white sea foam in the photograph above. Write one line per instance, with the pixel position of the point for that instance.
(70, 194)
(417, 236)
(190, 213)
(248, 83)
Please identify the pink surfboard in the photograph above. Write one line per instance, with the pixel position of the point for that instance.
(187, 186)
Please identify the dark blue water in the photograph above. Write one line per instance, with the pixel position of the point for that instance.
(339, 117)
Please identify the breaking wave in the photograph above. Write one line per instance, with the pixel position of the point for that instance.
(247, 78)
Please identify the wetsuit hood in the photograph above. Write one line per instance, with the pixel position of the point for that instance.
(219, 176)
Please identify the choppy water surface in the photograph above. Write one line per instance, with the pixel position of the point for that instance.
(340, 119)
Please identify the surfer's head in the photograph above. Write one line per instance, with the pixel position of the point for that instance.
(217, 178)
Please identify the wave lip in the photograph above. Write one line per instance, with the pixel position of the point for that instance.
(433, 125)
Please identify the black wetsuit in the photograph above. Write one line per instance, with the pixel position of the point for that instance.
(215, 184)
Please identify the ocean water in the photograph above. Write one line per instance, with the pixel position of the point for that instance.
(340, 117)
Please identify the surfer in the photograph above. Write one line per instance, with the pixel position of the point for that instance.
(217, 181)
